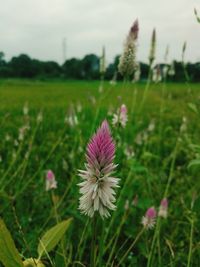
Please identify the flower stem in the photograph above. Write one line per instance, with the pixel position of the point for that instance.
(191, 243)
(93, 249)
(131, 246)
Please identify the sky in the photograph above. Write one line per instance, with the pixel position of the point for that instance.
(38, 27)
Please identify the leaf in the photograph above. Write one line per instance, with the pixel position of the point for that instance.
(193, 107)
(52, 237)
(194, 163)
(9, 255)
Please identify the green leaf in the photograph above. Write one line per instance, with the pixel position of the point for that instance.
(9, 255)
(194, 163)
(193, 107)
(52, 237)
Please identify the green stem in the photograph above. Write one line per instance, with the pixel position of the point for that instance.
(101, 245)
(191, 243)
(131, 246)
(165, 195)
(93, 249)
(115, 238)
(146, 90)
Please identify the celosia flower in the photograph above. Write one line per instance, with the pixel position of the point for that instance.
(97, 189)
(137, 73)
(121, 117)
(163, 209)
(152, 48)
(39, 117)
(157, 77)
(51, 182)
(102, 64)
(171, 71)
(71, 118)
(127, 63)
(25, 109)
(149, 219)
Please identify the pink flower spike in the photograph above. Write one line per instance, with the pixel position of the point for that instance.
(51, 182)
(98, 184)
(50, 175)
(163, 209)
(149, 219)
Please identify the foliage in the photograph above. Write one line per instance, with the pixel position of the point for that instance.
(157, 152)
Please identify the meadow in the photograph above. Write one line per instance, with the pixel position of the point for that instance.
(46, 125)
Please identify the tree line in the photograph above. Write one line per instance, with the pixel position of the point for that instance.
(87, 68)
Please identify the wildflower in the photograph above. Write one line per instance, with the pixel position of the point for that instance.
(197, 16)
(129, 152)
(165, 71)
(22, 132)
(137, 73)
(166, 54)
(97, 189)
(71, 117)
(152, 48)
(51, 182)
(25, 109)
(126, 206)
(92, 99)
(100, 88)
(8, 137)
(121, 117)
(163, 208)
(102, 67)
(171, 71)
(39, 117)
(135, 201)
(79, 107)
(149, 219)
(64, 164)
(16, 143)
(151, 126)
(183, 127)
(127, 63)
(157, 77)
(183, 50)
(114, 79)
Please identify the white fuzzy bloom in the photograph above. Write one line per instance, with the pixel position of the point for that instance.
(157, 77)
(127, 62)
(163, 209)
(51, 182)
(121, 117)
(25, 109)
(149, 220)
(39, 117)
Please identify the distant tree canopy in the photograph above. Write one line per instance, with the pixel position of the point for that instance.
(87, 68)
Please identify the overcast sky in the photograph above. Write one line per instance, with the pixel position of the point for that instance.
(37, 27)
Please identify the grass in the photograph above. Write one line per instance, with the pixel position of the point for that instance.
(159, 167)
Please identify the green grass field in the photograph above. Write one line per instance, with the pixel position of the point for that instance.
(158, 154)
